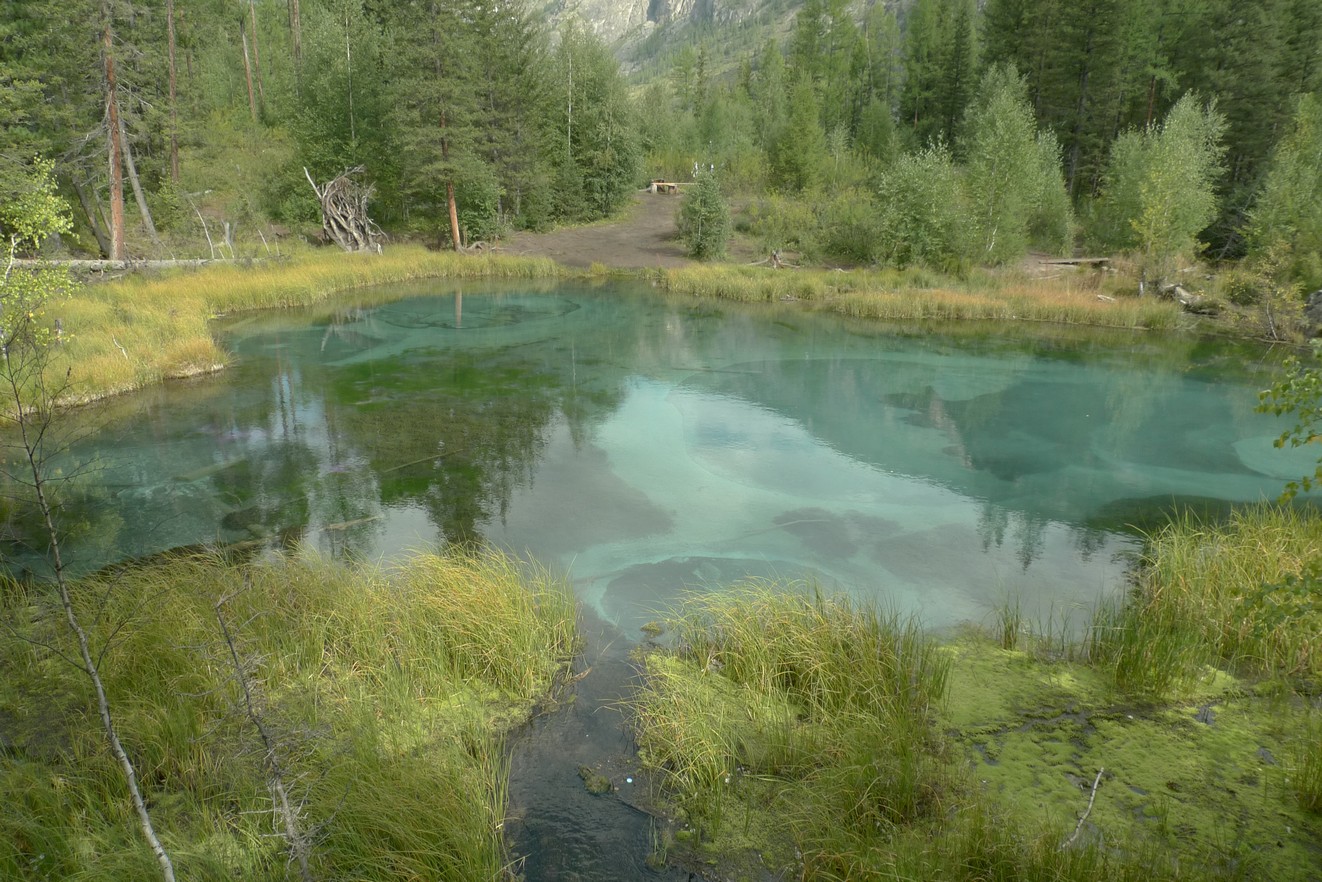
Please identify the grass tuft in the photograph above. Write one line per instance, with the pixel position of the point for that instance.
(1240, 594)
(387, 691)
(778, 690)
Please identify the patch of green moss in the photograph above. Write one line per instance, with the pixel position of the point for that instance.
(1204, 777)
(594, 782)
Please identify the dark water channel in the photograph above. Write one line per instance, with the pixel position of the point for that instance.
(648, 447)
(562, 829)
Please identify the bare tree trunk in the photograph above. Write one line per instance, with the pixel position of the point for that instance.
(256, 51)
(454, 216)
(32, 448)
(117, 249)
(137, 185)
(205, 231)
(102, 240)
(174, 112)
(296, 32)
(449, 189)
(247, 72)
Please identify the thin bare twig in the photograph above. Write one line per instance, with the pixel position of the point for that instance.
(1092, 796)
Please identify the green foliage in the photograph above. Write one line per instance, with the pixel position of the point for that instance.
(847, 225)
(798, 154)
(387, 694)
(1051, 226)
(32, 213)
(1298, 394)
(704, 219)
(1013, 176)
(940, 52)
(595, 126)
(925, 216)
(1159, 192)
(780, 223)
(1288, 209)
(1238, 594)
(341, 114)
(32, 209)
(877, 137)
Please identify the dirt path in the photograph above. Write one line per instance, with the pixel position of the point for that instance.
(643, 236)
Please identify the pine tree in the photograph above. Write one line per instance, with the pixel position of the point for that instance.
(798, 153)
(704, 219)
(769, 94)
(940, 52)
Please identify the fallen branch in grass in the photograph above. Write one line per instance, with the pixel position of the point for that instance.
(295, 838)
(1092, 796)
(107, 265)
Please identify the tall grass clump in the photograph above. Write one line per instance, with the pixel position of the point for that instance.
(800, 729)
(385, 693)
(829, 701)
(1242, 593)
(1306, 777)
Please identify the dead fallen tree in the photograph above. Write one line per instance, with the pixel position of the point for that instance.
(114, 265)
(775, 261)
(344, 218)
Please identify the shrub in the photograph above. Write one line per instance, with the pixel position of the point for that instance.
(704, 219)
(924, 214)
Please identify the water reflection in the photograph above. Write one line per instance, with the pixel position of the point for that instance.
(651, 446)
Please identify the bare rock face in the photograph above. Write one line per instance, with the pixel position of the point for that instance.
(626, 21)
(611, 20)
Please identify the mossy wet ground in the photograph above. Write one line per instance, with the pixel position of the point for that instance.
(1201, 780)
(1205, 775)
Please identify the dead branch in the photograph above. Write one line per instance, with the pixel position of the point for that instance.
(97, 265)
(1092, 796)
(344, 217)
(295, 839)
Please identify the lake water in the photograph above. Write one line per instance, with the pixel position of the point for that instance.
(649, 446)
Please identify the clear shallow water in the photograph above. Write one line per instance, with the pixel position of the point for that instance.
(649, 446)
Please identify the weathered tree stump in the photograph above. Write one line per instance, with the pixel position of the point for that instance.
(344, 217)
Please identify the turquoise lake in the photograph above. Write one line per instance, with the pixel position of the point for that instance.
(647, 447)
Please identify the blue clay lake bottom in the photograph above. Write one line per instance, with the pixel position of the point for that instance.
(647, 447)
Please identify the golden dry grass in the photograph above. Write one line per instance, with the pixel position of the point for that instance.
(916, 295)
(127, 334)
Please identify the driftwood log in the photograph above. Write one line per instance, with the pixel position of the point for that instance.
(112, 265)
(344, 217)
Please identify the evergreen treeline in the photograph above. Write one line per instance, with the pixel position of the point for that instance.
(945, 132)
(948, 134)
(223, 103)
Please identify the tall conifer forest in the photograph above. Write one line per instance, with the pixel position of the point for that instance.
(1170, 129)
